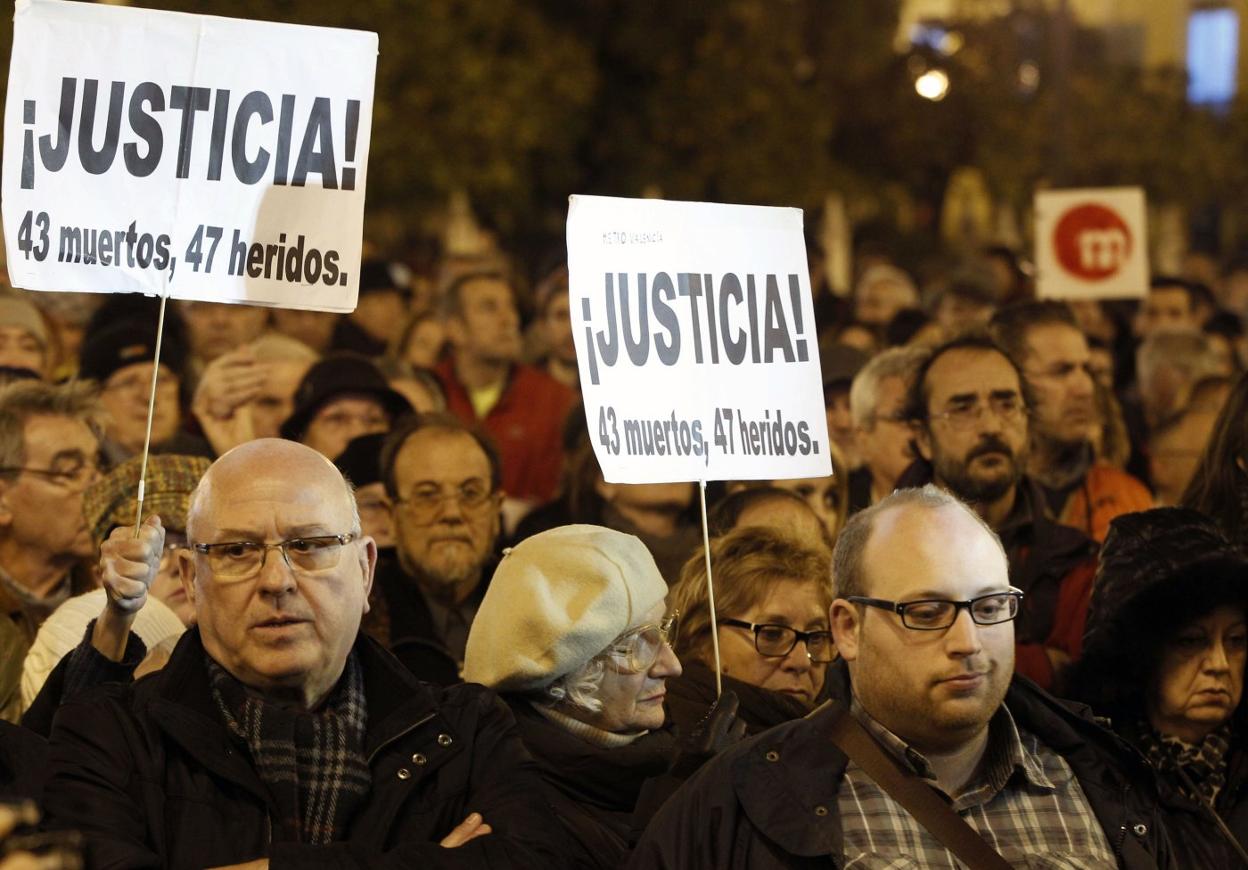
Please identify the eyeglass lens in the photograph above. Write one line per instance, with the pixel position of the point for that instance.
(988, 610)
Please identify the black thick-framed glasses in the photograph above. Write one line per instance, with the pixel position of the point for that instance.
(242, 560)
(936, 614)
(774, 640)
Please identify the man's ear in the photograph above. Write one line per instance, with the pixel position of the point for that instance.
(6, 510)
(368, 567)
(922, 440)
(606, 491)
(186, 572)
(454, 327)
(845, 621)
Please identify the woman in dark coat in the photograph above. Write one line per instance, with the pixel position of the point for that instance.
(573, 632)
(1164, 654)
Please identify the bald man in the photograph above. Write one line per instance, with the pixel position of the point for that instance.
(278, 734)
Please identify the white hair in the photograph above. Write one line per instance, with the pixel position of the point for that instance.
(864, 393)
(578, 688)
(1187, 352)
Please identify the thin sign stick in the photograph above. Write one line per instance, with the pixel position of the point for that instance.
(710, 593)
(151, 411)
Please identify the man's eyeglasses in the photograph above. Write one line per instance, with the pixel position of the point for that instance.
(1008, 407)
(425, 502)
(74, 473)
(638, 650)
(935, 614)
(773, 640)
(242, 560)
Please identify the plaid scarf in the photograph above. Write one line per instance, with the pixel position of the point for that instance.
(311, 761)
(1203, 764)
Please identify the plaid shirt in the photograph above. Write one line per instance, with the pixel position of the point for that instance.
(1025, 802)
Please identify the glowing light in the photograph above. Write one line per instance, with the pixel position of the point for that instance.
(932, 85)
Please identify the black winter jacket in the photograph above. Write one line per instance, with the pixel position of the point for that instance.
(23, 763)
(152, 778)
(770, 802)
(594, 790)
(692, 694)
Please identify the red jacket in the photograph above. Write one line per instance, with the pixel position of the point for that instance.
(526, 425)
(1106, 492)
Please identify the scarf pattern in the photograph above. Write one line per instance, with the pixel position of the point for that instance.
(311, 761)
(1205, 763)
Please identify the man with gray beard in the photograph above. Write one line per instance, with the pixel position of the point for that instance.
(970, 410)
(442, 479)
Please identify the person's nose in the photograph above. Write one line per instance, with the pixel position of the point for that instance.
(357, 426)
(962, 638)
(1217, 661)
(798, 659)
(1082, 385)
(667, 664)
(989, 422)
(277, 578)
(450, 509)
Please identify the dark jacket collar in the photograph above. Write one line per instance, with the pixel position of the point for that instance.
(610, 779)
(1028, 529)
(759, 708)
(179, 699)
(787, 779)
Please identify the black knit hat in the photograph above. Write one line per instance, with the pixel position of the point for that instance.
(376, 276)
(1160, 568)
(339, 375)
(126, 342)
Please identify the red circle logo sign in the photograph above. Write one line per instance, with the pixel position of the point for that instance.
(1092, 242)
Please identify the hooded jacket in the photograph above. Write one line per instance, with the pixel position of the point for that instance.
(1159, 570)
(152, 778)
(764, 804)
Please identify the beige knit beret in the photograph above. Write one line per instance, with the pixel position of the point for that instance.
(557, 600)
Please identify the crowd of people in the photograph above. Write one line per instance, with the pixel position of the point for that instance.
(381, 608)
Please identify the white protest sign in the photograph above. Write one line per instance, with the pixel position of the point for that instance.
(1091, 243)
(222, 160)
(696, 340)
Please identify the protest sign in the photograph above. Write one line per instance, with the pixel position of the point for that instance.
(212, 158)
(696, 340)
(1091, 243)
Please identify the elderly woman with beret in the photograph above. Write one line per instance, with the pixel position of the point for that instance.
(1164, 653)
(573, 633)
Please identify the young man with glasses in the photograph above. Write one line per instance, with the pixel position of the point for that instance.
(277, 732)
(49, 454)
(970, 408)
(924, 623)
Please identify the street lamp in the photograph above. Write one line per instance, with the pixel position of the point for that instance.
(932, 85)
